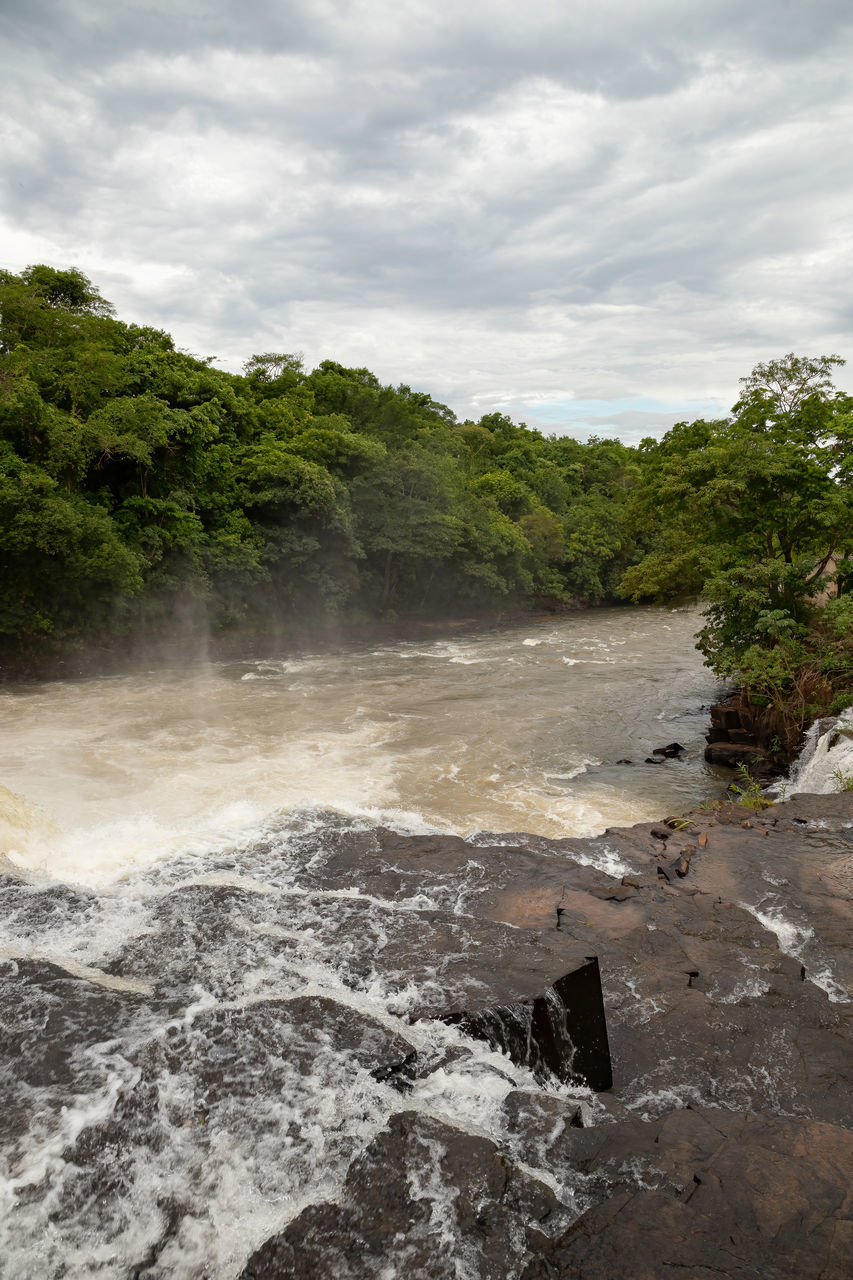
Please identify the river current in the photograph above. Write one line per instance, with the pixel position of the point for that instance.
(167, 833)
(519, 729)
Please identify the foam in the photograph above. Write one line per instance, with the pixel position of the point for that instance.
(825, 760)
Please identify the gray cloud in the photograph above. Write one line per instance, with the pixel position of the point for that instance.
(601, 201)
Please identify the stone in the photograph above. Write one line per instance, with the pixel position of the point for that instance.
(419, 1198)
(730, 754)
(562, 1032)
(705, 1193)
(722, 1146)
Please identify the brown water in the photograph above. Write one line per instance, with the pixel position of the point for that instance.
(171, 831)
(510, 730)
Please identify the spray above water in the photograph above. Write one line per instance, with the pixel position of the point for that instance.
(482, 733)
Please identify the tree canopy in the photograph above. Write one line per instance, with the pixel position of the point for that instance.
(135, 477)
(755, 513)
(139, 483)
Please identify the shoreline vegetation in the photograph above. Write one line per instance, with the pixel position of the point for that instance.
(150, 502)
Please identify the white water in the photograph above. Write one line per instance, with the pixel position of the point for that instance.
(825, 764)
(160, 790)
(198, 808)
(297, 1108)
(508, 730)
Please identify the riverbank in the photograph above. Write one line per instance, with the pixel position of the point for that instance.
(759, 737)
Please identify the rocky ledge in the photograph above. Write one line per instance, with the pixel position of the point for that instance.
(722, 1145)
(758, 737)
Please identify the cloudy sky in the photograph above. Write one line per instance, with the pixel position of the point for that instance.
(592, 214)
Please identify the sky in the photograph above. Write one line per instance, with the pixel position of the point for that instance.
(593, 216)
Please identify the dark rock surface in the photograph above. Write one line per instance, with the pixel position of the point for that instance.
(423, 1200)
(709, 1193)
(724, 1147)
(760, 738)
(731, 754)
(304, 1005)
(672, 751)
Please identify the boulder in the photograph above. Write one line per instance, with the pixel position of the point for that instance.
(705, 1193)
(421, 1198)
(731, 754)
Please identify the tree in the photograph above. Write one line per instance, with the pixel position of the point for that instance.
(134, 474)
(750, 510)
(782, 385)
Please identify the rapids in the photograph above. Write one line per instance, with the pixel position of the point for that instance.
(213, 943)
(506, 730)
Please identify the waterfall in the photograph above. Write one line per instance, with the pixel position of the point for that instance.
(826, 759)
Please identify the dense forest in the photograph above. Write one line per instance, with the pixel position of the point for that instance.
(143, 489)
(137, 477)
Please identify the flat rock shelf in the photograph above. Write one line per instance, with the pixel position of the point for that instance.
(661, 1087)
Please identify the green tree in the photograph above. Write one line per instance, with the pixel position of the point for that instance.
(750, 510)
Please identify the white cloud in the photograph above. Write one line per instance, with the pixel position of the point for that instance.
(594, 201)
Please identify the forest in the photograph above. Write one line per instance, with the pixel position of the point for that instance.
(140, 485)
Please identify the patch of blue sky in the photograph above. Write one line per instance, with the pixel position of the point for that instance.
(627, 418)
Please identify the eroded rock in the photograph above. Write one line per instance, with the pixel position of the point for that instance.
(422, 1200)
(705, 1193)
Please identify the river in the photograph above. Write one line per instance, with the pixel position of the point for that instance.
(185, 996)
(518, 729)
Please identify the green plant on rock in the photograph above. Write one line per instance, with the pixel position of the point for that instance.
(843, 781)
(749, 790)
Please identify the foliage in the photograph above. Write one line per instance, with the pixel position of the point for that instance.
(136, 480)
(755, 513)
(843, 781)
(749, 791)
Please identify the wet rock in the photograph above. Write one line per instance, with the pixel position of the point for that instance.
(672, 751)
(562, 1032)
(737, 721)
(536, 1121)
(619, 893)
(748, 1032)
(540, 1003)
(731, 754)
(708, 1193)
(50, 1023)
(196, 926)
(222, 1075)
(47, 1015)
(731, 1073)
(677, 869)
(420, 1199)
(229, 1054)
